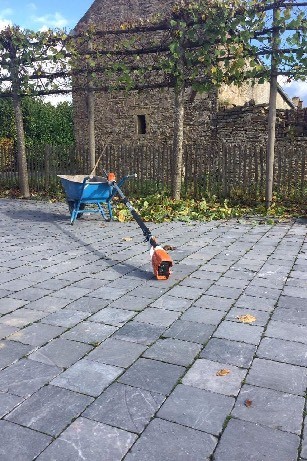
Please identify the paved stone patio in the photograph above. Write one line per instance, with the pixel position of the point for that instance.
(101, 362)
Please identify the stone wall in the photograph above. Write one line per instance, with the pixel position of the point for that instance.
(247, 124)
(117, 113)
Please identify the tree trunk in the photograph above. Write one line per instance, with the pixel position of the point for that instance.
(21, 145)
(21, 148)
(91, 130)
(91, 118)
(178, 142)
(272, 117)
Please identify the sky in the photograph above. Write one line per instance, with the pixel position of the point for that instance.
(42, 14)
(45, 14)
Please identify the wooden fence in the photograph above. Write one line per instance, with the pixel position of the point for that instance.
(226, 170)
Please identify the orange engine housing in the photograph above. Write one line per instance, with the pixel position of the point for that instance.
(161, 263)
(111, 177)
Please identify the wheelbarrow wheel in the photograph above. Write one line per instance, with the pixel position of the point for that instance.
(71, 205)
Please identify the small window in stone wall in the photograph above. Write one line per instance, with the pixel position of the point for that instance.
(141, 124)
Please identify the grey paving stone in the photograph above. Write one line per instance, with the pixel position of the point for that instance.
(37, 334)
(296, 315)
(296, 292)
(138, 332)
(22, 317)
(31, 294)
(224, 292)
(131, 303)
(287, 331)
(48, 304)
(291, 282)
(185, 292)
(12, 351)
(203, 374)
(279, 376)
(152, 375)
(159, 317)
(232, 282)
(87, 377)
(283, 351)
(107, 293)
(173, 351)
(262, 317)
(87, 304)
(304, 441)
(291, 302)
(261, 292)
(117, 352)
(163, 440)
(196, 283)
(4, 293)
(50, 410)
(197, 408)
(6, 330)
(240, 274)
(8, 402)
(89, 332)
(126, 407)
(20, 443)
(202, 315)
(239, 332)
(25, 377)
(71, 292)
(111, 316)
(66, 318)
(270, 408)
(88, 441)
(60, 352)
(214, 302)
(149, 292)
(172, 303)
(206, 275)
(253, 302)
(90, 283)
(190, 331)
(232, 352)
(53, 284)
(242, 439)
(16, 285)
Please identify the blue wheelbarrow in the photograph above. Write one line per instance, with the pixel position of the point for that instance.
(95, 191)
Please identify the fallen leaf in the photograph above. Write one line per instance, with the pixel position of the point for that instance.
(222, 372)
(168, 248)
(246, 318)
(248, 403)
(127, 239)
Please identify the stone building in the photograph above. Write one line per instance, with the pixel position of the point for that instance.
(146, 117)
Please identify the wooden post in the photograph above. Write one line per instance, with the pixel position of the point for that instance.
(272, 115)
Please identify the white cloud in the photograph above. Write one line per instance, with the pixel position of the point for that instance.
(4, 23)
(6, 12)
(31, 6)
(47, 21)
(295, 88)
(4, 18)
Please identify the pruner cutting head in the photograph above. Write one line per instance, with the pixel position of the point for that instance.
(161, 263)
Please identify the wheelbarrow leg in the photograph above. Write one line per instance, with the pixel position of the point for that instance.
(110, 210)
(102, 212)
(72, 206)
(75, 212)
